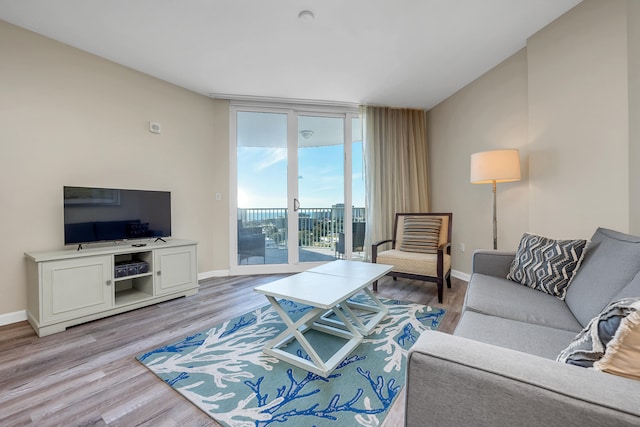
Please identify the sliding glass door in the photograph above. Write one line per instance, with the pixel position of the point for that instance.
(294, 176)
(320, 206)
(262, 219)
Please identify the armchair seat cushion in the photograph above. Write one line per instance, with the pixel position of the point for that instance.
(413, 262)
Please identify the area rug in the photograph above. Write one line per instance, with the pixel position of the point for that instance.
(224, 372)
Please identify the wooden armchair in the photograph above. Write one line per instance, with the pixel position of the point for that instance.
(420, 249)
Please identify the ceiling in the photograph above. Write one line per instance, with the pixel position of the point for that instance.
(402, 53)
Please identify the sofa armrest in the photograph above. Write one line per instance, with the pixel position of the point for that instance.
(494, 263)
(454, 381)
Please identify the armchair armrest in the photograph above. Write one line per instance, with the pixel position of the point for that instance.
(491, 262)
(445, 247)
(442, 249)
(374, 248)
(453, 381)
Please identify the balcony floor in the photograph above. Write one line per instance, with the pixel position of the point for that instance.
(279, 256)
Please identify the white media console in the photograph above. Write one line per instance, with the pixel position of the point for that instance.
(69, 287)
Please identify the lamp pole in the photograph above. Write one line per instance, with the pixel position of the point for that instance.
(495, 218)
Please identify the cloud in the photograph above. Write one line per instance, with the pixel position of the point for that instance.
(270, 157)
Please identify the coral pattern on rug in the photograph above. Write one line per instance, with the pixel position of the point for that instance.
(224, 372)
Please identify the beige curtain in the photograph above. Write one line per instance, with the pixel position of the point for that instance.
(396, 166)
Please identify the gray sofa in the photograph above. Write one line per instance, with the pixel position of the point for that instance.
(499, 368)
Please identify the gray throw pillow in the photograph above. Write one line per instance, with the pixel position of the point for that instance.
(545, 264)
(591, 343)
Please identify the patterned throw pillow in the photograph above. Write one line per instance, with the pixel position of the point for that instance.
(421, 234)
(545, 264)
(590, 344)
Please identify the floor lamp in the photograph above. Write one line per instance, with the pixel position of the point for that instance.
(491, 167)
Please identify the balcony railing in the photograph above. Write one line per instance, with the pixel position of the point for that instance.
(317, 227)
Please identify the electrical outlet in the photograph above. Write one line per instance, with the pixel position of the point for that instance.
(218, 196)
(461, 247)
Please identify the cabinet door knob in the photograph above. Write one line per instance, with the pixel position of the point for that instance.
(108, 282)
(158, 273)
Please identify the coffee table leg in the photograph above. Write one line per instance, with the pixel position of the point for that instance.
(295, 331)
(378, 308)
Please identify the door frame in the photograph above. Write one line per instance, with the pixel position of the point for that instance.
(292, 110)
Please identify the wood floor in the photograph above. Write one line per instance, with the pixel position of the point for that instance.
(88, 375)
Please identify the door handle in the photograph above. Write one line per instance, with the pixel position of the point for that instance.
(296, 205)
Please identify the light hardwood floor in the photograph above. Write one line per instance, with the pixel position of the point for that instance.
(88, 374)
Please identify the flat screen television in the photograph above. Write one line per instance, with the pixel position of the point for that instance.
(111, 214)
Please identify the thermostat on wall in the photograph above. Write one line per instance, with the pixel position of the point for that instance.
(154, 127)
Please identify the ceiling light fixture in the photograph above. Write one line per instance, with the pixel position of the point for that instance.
(306, 134)
(306, 16)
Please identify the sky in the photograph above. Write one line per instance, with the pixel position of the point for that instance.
(262, 176)
(262, 139)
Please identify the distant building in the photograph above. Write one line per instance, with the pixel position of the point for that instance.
(358, 214)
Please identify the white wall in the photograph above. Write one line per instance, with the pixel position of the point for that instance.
(70, 118)
(490, 113)
(579, 122)
(633, 51)
(569, 101)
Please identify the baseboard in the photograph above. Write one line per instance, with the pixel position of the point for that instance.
(19, 316)
(15, 317)
(460, 275)
(213, 273)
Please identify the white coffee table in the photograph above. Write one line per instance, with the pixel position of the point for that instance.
(327, 290)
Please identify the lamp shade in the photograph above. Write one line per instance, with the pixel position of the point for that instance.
(495, 165)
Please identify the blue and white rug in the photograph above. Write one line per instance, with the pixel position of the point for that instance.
(224, 372)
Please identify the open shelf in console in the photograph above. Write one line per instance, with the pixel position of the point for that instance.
(132, 290)
(133, 277)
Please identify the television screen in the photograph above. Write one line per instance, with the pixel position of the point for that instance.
(108, 214)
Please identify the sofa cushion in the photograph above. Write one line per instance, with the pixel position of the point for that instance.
(421, 234)
(529, 338)
(632, 289)
(545, 264)
(492, 262)
(611, 261)
(504, 298)
(622, 356)
(590, 344)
